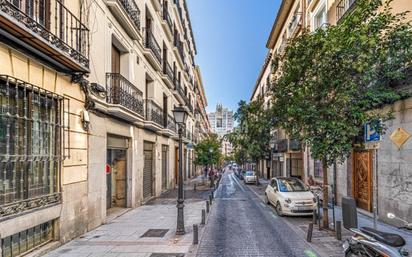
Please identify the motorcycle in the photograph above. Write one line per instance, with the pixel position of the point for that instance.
(369, 242)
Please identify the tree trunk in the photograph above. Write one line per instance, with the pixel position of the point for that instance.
(325, 217)
(257, 172)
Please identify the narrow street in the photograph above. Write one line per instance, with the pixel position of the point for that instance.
(240, 224)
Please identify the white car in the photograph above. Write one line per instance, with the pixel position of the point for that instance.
(249, 177)
(290, 196)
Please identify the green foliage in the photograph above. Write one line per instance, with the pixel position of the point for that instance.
(208, 151)
(332, 81)
(250, 139)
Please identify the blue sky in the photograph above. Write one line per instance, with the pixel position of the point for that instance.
(231, 40)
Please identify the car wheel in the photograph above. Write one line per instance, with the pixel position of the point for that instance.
(278, 208)
(266, 199)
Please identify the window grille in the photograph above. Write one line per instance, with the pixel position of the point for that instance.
(24, 241)
(33, 134)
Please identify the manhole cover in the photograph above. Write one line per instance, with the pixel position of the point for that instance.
(167, 255)
(156, 233)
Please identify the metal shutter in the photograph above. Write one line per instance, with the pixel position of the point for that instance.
(148, 171)
(164, 166)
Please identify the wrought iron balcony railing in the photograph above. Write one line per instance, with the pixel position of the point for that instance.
(167, 18)
(343, 7)
(154, 113)
(132, 11)
(167, 70)
(152, 44)
(123, 92)
(179, 45)
(171, 124)
(52, 22)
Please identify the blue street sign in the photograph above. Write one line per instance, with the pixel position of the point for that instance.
(371, 135)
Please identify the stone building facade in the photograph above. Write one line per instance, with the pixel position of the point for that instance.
(87, 90)
(354, 177)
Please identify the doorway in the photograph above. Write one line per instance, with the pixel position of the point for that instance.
(362, 179)
(148, 178)
(116, 178)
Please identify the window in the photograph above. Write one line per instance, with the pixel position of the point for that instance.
(318, 169)
(319, 18)
(24, 241)
(31, 131)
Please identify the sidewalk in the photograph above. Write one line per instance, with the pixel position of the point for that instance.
(324, 241)
(147, 231)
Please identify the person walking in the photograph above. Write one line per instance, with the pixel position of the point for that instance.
(212, 178)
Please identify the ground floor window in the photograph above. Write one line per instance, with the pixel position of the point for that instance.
(31, 136)
(27, 240)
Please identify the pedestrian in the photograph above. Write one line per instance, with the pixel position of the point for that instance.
(211, 178)
(205, 172)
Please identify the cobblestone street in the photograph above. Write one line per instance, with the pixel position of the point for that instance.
(242, 225)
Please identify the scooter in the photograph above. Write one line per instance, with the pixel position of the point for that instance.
(369, 242)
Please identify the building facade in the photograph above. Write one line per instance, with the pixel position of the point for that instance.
(221, 122)
(87, 90)
(354, 177)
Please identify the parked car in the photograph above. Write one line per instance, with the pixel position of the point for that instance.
(290, 196)
(249, 177)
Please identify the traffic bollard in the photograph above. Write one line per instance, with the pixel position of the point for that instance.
(315, 214)
(310, 231)
(207, 206)
(195, 234)
(203, 222)
(338, 229)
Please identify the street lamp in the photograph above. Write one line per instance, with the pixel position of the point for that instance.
(180, 116)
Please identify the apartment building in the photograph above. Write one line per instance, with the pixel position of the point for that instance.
(87, 90)
(354, 177)
(44, 55)
(221, 122)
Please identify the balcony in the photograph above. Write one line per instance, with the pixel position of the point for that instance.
(124, 99)
(152, 50)
(167, 22)
(168, 75)
(170, 128)
(287, 145)
(295, 24)
(343, 7)
(128, 15)
(178, 50)
(48, 30)
(154, 116)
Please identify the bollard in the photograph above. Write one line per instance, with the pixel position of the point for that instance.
(207, 206)
(203, 222)
(310, 231)
(314, 216)
(195, 234)
(338, 228)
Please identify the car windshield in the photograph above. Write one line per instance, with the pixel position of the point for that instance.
(249, 173)
(291, 185)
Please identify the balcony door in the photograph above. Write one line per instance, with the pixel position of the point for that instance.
(165, 108)
(38, 10)
(115, 60)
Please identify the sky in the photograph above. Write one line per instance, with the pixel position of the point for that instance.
(231, 40)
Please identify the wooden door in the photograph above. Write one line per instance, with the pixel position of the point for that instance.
(119, 169)
(115, 60)
(362, 179)
(148, 178)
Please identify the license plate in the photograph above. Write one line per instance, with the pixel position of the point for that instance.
(304, 208)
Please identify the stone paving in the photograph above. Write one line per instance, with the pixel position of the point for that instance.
(241, 225)
(324, 241)
(122, 236)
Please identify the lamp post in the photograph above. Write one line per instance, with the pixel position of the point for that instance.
(180, 116)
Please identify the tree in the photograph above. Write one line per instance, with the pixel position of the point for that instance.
(208, 151)
(332, 81)
(251, 138)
